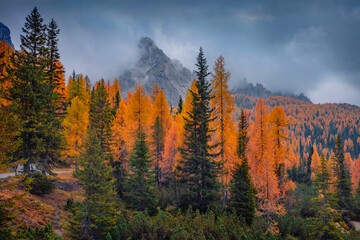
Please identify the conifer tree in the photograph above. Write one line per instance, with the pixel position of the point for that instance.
(198, 170)
(308, 165)
(242, 191)
(140, 193)
(75, 125)
(180, 106)
(158, 141)
(100, 115)
(224, 134)
(33, 100)
(119, 148)
(96, 215)
(343, 179)
(326, 227)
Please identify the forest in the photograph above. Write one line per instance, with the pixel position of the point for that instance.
(217, 166)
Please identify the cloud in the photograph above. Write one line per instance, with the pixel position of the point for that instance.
(333, 89)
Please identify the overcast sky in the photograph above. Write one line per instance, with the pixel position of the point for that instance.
(297, 46)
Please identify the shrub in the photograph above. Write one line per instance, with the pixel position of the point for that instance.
(39, 184)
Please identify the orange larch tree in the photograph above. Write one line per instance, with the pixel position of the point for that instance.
(278, 135)
(160, 122)
(138, 111)
(154, 92)
(315, 161)
(119, 148)
(262, 166)
(224, 125)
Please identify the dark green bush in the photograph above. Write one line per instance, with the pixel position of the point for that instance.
(45, 233)
(39, 184)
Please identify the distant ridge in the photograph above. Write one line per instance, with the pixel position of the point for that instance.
(259, 91)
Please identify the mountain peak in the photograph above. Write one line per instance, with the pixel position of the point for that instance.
(147, 44)
(154, 66)
(5, 34)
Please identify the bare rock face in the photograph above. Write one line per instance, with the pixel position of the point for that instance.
(5, 34)
(154, 66)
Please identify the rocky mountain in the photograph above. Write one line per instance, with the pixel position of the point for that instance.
(154, 66)
(5, 34)
(259, 91)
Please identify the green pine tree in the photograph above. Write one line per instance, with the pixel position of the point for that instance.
(343, 184)
(242, 191)
(198, 170)
(308, 165)
(97, 214)
(100, 115)
(140, 193)
(325, 202)
(180, 105)
(33, 100)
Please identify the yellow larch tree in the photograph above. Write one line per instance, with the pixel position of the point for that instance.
(75, 125)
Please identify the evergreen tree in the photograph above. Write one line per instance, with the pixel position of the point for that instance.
(326, 227)
(140, 194)
(242, 191)
(33, 42)
(158, 141)
(343, 184)
(100, 115)
(96, 215)
(198, 170)
(308, 165)
(180, 105)
(33, 100)
(6, 217)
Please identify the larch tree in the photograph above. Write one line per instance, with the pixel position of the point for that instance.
(77, 87)
(242, 191)
(315, 161)
(114, 96)
(308, 165)
(170, 159)
(154, 92)
(278, 135)
(262, 166)
(158, 144)
(96, 215)
(9, 124)
(75, 125)
(119, 148)
(161, 123)
(198, 169)
(223, 107)
(342, 174)
(139, 109)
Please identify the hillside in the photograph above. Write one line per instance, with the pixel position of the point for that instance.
(315, 123)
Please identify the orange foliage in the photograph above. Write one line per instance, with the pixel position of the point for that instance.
(262, 164)
(224, 124)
